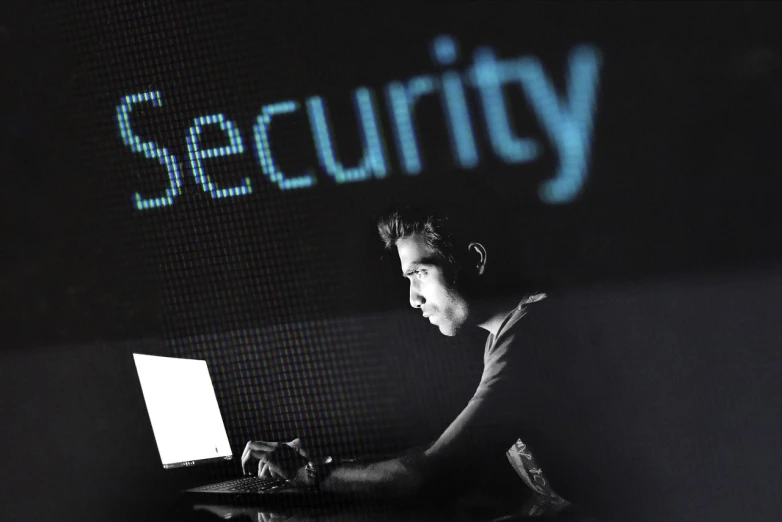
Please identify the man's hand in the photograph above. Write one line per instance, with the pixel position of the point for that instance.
(275, 459)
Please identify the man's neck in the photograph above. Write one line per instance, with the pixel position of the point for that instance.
(492, 313)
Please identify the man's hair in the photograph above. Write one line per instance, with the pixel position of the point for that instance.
(432, 228)
(449, 212)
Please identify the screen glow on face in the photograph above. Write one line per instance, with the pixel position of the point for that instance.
(439, 301)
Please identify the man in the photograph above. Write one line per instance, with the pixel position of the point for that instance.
(454, 252)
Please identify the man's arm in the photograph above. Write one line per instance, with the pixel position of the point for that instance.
(391, 475)
(395, 478)
(477, 440)
(379, 457)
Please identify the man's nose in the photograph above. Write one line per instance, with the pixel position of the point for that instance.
(416, 299)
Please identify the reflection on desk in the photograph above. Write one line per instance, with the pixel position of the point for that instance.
(474, 509)
(349, 514)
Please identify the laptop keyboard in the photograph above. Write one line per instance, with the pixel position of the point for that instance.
(244, 485)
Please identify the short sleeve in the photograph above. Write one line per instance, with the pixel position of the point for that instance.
(503, 368)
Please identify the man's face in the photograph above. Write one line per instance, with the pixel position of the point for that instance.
(430, 290)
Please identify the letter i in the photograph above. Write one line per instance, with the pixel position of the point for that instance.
(445, 52)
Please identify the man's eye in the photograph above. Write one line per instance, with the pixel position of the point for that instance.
(420, 273)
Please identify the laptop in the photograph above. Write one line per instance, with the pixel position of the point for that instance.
(189, 431)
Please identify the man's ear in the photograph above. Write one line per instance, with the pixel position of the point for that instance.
(477, 256)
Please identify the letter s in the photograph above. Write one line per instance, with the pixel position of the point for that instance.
(149, 149)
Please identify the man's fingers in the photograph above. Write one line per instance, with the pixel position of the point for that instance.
(264, 451)
(262, 456)
(274, 470)
(268, 467)
(258, 445)
(249, 449)
(245, 457)
(262, 445)
(262, 459)
(256, 448)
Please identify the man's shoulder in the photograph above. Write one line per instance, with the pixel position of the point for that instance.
(534, 298)
(532, 309)
(531, 321)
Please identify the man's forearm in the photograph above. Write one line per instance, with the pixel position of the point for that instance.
(373, 458)
(394, 478)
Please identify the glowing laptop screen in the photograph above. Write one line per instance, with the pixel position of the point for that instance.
(183, 410)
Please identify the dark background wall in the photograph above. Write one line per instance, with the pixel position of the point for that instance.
(671, 248)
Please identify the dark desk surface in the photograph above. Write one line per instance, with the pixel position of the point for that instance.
(347, 514)
(206, 513)
(471, 508)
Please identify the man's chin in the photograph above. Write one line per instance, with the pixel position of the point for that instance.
(449, 330)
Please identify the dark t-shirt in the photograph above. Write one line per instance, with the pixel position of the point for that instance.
(545, 501)
(545, 379)
(638, 404)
